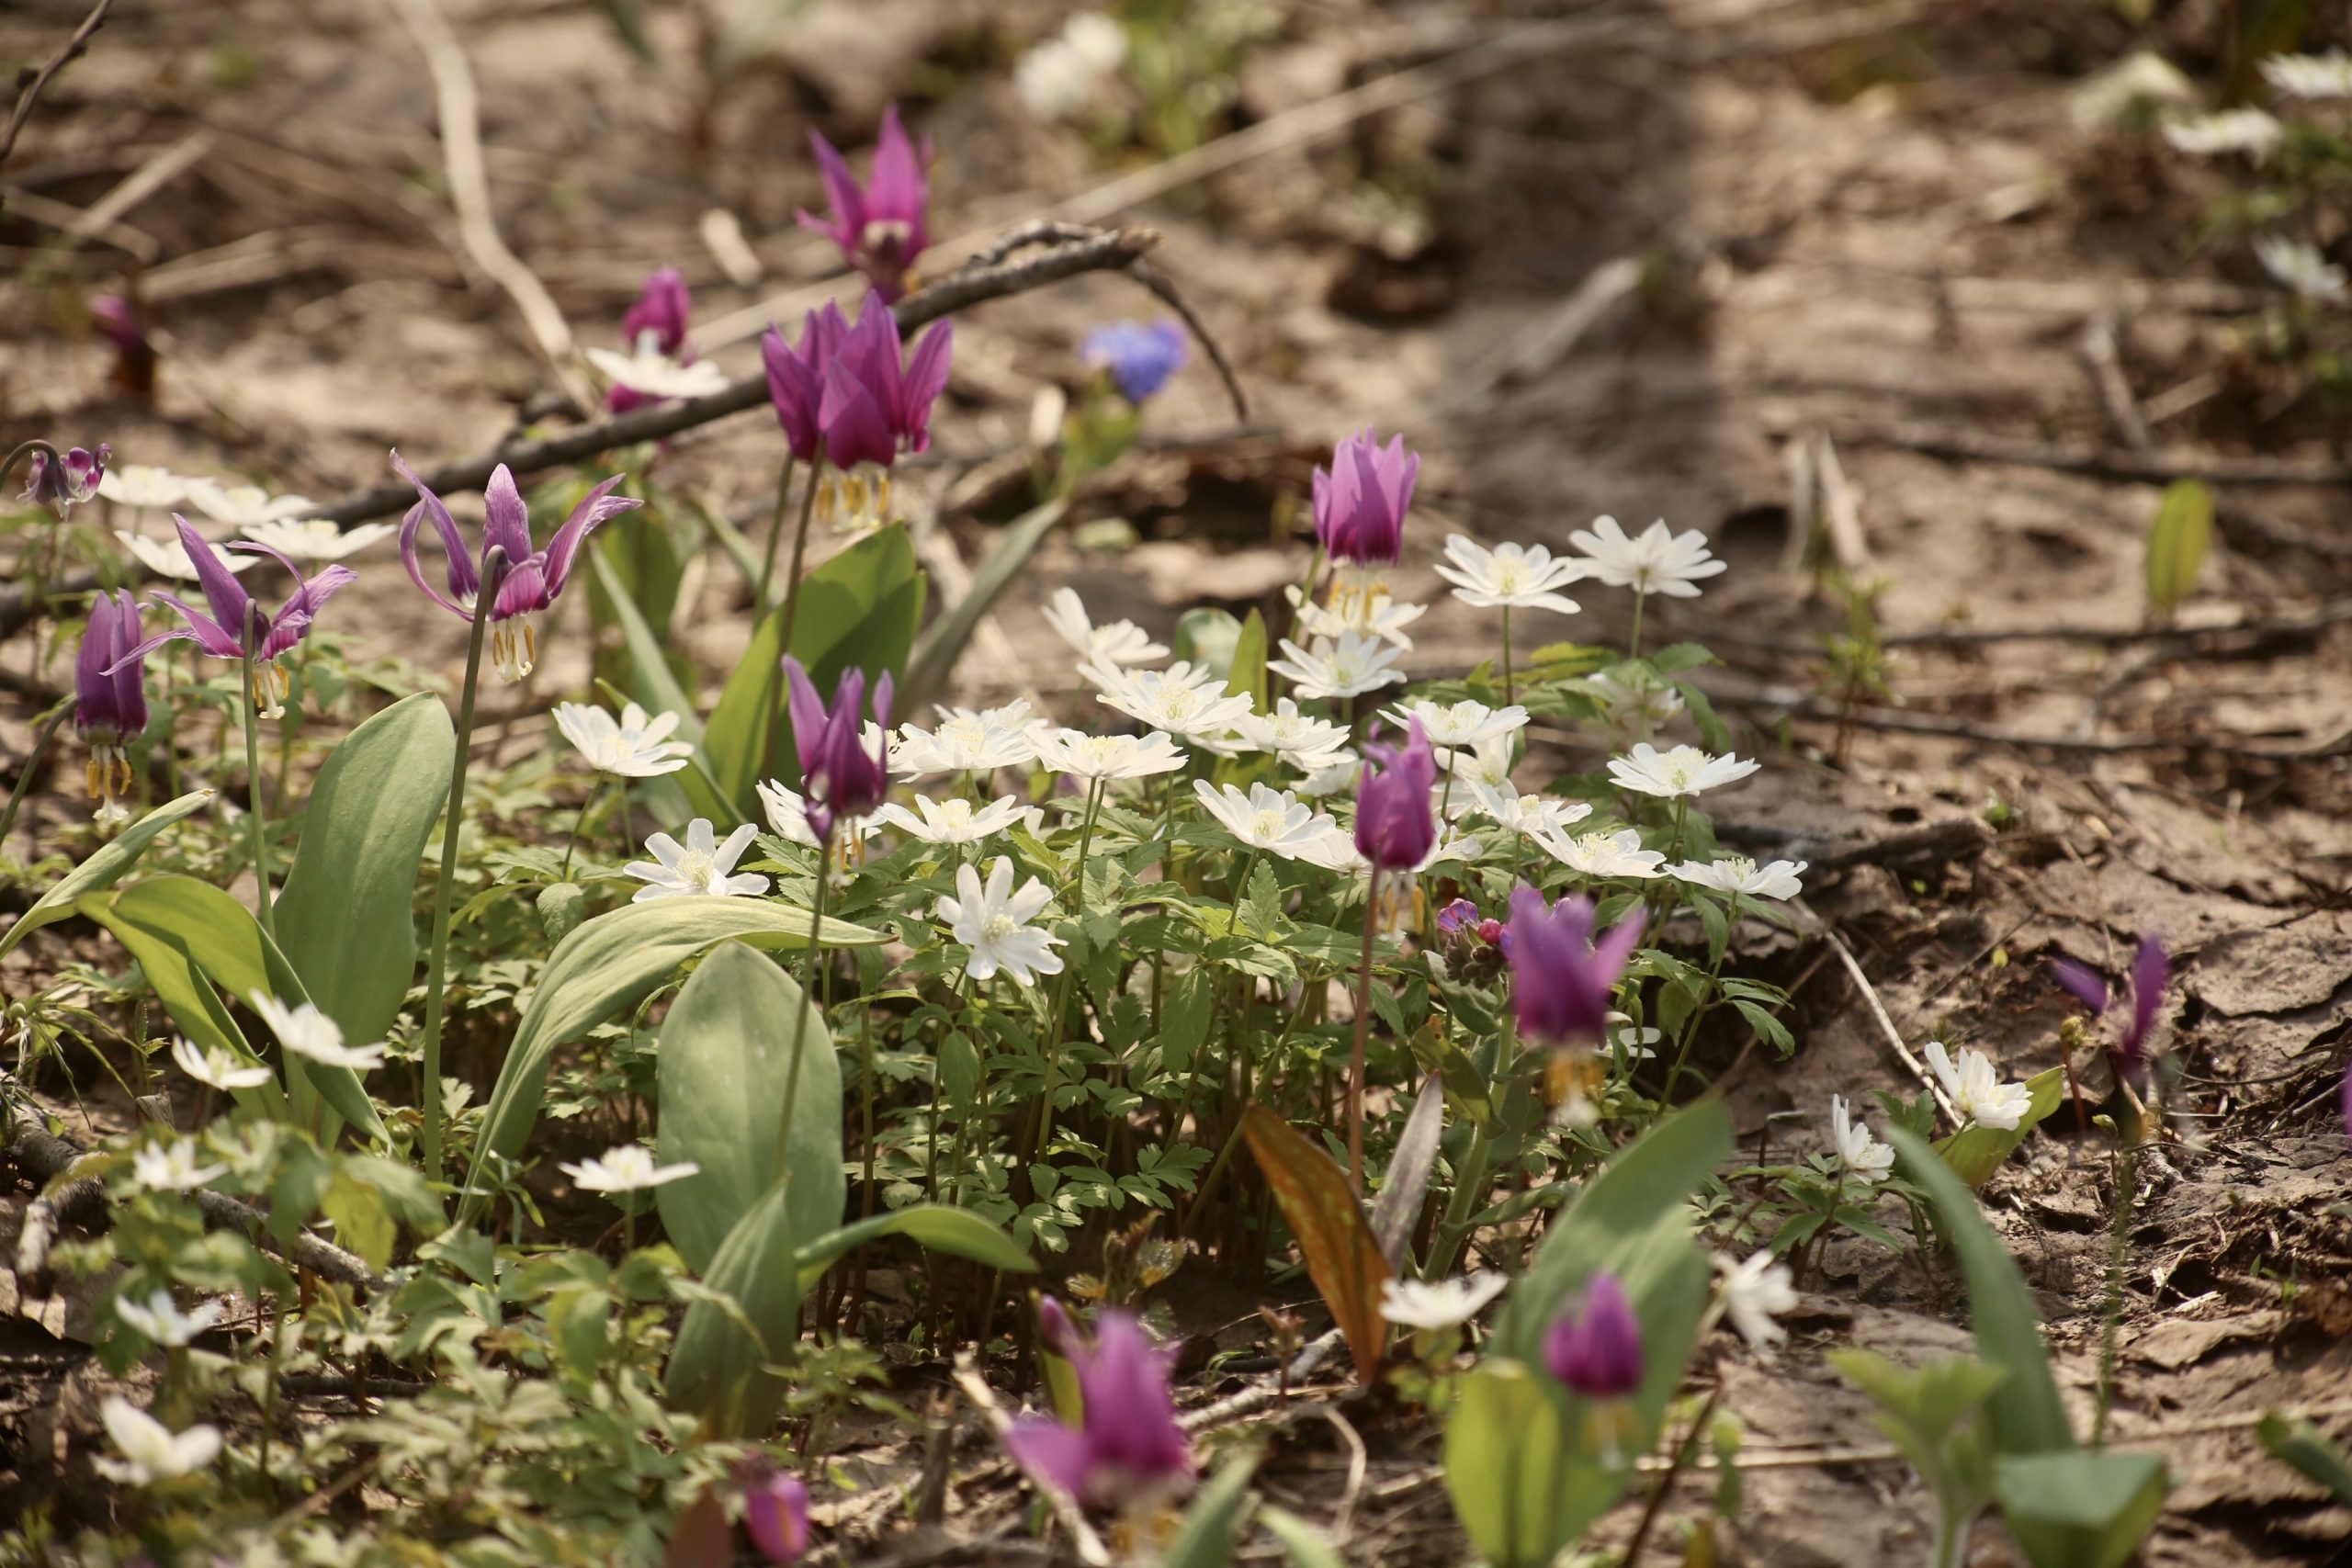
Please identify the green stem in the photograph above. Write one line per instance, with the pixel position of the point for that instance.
(1640, 598)
(579, 825)
(776, 534)
(800, 1023)
(445, 892)
(1061, 985)
(1508, 688)
(768, 735)
(254, 816)
(26, 774)
(1364, 1026)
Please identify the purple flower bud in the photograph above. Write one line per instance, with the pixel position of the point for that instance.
(69, 483)
(2151, 973)
(1129, 1442)
(1055, 1328)
(838, 776)
(880, 226)
(110, 691)
(1490, 931)
(661, 312)
(775, 1512)
(872, 408)
(1359, 505)
(797, 377)
(2082, 982)
(238, 625)
(1395, 827)
(1140, 359)
(119, 324)
(1456, 917)
(1597, 1350)
(1560, 978)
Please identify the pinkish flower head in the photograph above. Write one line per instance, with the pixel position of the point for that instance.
(1359, 504)
(238, 626)
(797, 377)
(657, 321)
(880, 226)
(775, 1511)
(117, 323)
(1596, 1346)
(2151, 974)
(873, 406)
(1562, 978)
(1129, 1442)
(838, 776)
(110, 691)
(63, 485)
(1395, 827)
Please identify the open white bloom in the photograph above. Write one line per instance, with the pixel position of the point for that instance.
(627, 1168)
(967, 741)
(244, 506)
(307, 1032)
(1370, 612)
(1530, 814)
(1336, 850)
(702, 866)
(1270, 819)
(168, 557)
(142, 485)
(317, 540)
(649, 373)
(1976, 1090)
(1448, 1303)
(632, 747)
(1508, 576)
(1658, 561)
(162, 1321)
(1115, 645)
(1638, 706)
(1343, 772)
(2299, 267)
(1740, 874)
(787, 816)
(1755, 1292)
(1057, 77)
(1347, 667)
(1603, 854)
(1306, 742)
(214, 1066)
(2248, 131)
(1084, 756)
(1190, 700)
(993, 921)
(1684, 770)
(1460, 724)
(149, 1452)
(1488, 763)
(1633, 1045)
(2326, 76)
(171, 1167)
(1859, 1153)
(958, 821)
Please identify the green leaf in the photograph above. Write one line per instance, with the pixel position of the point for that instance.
(346, 916)
(2028, 1416)
(936, 654)
(1302, 1542)
(1975, 1153)
(1504, 1455)
(1205, 1539)
(2305, 1447)
(608, 966)
(737, 741)
(2178, 542)
(1248, 676)
(2080, 1509)
(656, 686)
(718, 1365)
(1192, 1000)
(360, 1221)
(1343, 1257)
(725, 1055)
(1207, 639)
(861, 610)
(194, 1007)
(102, 869)
(958, 1232)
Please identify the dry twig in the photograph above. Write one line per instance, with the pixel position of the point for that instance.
(39, 80)
(1878, 1010)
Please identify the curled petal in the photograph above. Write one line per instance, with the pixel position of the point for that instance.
(598, 507)
(505, 521)
(465, 583)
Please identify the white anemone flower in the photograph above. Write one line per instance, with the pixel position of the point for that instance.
(649, 373)
(1532, 815)
(168, 557)
(1271, 819)
(1658, 561)
(1683, 769)
(1336, 850)
(1509, 577)
(316, 540)
(245, 506)
(1343, 772)
(1368, 614)
(1858, 1152)
(958, 821)
(632, 747)
(1755, 1292)
(1976, 1090)
(309, 1034)
(627, 1168)
(215, 1066)
(1306, 742)
(2247, 131)
(161, 1320)
(1740, 874)
(1460, 724)
(171, 1167)
(1636, 705)
(787, 816)
(701, 866)
(967, 741)
(993, 922)
(142, 485)
(151, 1452)
(2301, 267)
(1603, 855)
(1447, 1303)
(1084, 756)
(1487, 763)
(2326, 76)
(1057, 77)
(1349, 667)
(1187, 700)
(1115, 645)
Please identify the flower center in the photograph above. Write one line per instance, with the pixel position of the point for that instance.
(698, 870)
(1508, 577)
(997, 926)
(514, 645)
(1266, 825)
(858, 502)
(271, 685)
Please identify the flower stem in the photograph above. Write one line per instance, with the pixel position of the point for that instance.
(1061, 985)
(768, 735)
(1363, 1025)
(1640, 598)
(776, 534)
(254, 816)
(580, 825)
(445, 892)
(1508, 696)
(801, 1022)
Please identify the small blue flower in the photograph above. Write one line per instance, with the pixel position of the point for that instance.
(1140, 359)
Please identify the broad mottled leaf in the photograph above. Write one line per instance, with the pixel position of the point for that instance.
(1399, 1204)
(1975, 1153)
(1342, 1258)
(2080, 1509)
(718, 1365)
(1505, 1453)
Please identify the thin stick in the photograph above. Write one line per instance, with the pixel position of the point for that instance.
(1877, 1009)
(975, 1390)
(74, 49)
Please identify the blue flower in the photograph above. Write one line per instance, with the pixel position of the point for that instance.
(1140, 359)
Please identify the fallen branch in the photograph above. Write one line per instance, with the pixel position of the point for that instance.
(39, 84)
(2152, 467)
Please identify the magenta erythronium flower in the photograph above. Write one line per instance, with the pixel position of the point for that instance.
(660, 363)
(1129, 1445)
(1561, 977)
(796, 376)
(2151, 973)
(237, 626)
(775, 1511)
(1139, 357)
(659, 318)
(840, 777)
(1359, 504)
(873, 407)
(111, 693)
(1395, 825)
(1595, 1347)
(880, 225)
(531, 579)
(68, 482)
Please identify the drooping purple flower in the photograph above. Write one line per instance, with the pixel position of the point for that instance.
(238, 626)
(1130, 1443)
(880, 226)
(1053, 1326)
(531, 579)
(657, 322)
(1395, 825)
(2151, 973)
(877, 401)
(110, 691)
(1560, 978)
(1457, 917)
(775, 1511)
(1359, 504)
(838, 776)
(1140, 356)
(68, 483)
(1595, 1347)
(797, 377)
(134, 357)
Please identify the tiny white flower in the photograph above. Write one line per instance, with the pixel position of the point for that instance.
(142, 485)
(1532, 815)
(1659, 560)
(1684, 770)
(1347, 667)
(150, 1450)
(967, 741)
(1618, 854)
(632, 747)
(701, 866)
(1184, 699)
(1460, 724)
(307, 1032)
(1509, 576)
(649, 373)
(1368, 612)
(162, 1321)
(1306, 742)
(1976, 1090)
(1635, 706)
(244, 506)
(1057, 77)
(1740, 874)
(1270, 820)
(317, 540)
(2246, 130)
(2326, 76)
(2299, 267)
(171, 1167)
(1338, 776)
(957, 822)
(166, 557)
(993, 922)
(627, 1168)
(787, 816)
(1448, 1303)
(1859, 1153)
(1084, 756)
(215, 1066)
(1114, 645)
(1633, 1045)
(1755, 1292)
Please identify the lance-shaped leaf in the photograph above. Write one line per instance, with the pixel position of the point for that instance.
(2080, 1509)
(958, 1232)
(1342, 1258)
(102, 869)
(1975, 1153)
(2177, 543)
(1505, 1453)
(1399, 1204)
(745, 1318)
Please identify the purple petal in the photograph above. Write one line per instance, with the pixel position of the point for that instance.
(505, 521)
(807, 716)
(598, 507)
(842, 191)
(2082, 982)
(227, 596)
(523, 591)
(926, 379)
(202, 629)
(2151, 973)
(464, 583)
(1052, 1454)
(775, 1512)
(857, 430)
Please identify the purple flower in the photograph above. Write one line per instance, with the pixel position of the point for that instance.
(529, 581)
(879, 225)
(1457, 917)
(838, 776)
(110, 691)
(1053, 1326)
(1140, 359)
(775, 1512)
(797, 377)
(657, 321)
(2151, 973)
(1395, 827)
(1596, 1348)
(1130, 1443)
(119, 324)
(237, 626)
(66, 484)
(1359, 505)
(872, 407)
(1560, 978)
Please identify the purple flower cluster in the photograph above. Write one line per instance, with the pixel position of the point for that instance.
(68, 482)
(1139, 358)
(845, 392)
(838, 776)
(1359, 504)
(880, 225)
(238, 626)
(658, 320)
(110, 691)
